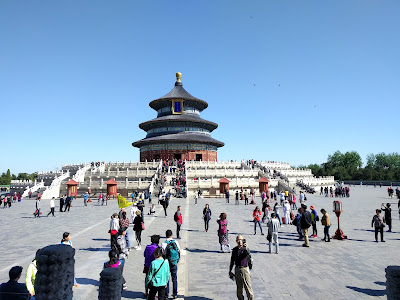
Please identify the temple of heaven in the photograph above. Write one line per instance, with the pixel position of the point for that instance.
(178, 132)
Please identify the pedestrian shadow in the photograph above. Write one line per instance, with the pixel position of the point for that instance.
(201, 251)
(95, 249)
(101, 240)
(369, 292)
(365, 241)
(380, 283)
(132, 294)
(190, 230)
(256, 251)
(87, 281)
(369, 230)
(196, 298)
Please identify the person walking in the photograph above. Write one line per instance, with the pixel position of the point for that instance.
(273, 227)
(246, 197)
(52, 207)
(85, 198)
(223, 233)
(37, 212)
(326, 222)
(196, 197)
(61, 203)
(240, 260)
(164, 205)
(138, 227)
(178, 219)
(158, 276)
(171, 251)
(68, 201)
(378, 222)
(314, 220)
(305, 223)
(237, 197)
(257, 220)
(206, 217)
(388, 215)
(149, 257)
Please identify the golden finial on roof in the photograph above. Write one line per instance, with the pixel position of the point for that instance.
(178, 77)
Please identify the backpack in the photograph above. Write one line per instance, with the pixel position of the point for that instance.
(223, 226)
(172, 253)
(176, 217)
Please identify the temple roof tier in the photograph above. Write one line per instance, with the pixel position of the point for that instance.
(190, 118)
(182, 137)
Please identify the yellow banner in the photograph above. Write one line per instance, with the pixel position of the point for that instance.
(122, 203)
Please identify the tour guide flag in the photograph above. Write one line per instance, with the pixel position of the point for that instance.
(122, 203)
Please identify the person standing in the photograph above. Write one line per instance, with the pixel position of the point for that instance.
(124, 222)
(12, 290)
(61, 203)
(114, 226)
(227, 195)
(206, 217)
(388, 215)
(196, 197)
(378, 222)
(326, 222)
(314, 220)
(252, 194)
(31, 276)
(178, 219)
(52, 207)
(66, 240)
(223, 233)
(237, 197)
(246, 197)
(138, 227)
(286, 212)
(30, 194)
(115, 262)
(240, 259)
(171, 251)
(37, 213)
(257, 219)
(305, 223)
(273, 227)
(158, 276)
(276, 211)
(149, 257)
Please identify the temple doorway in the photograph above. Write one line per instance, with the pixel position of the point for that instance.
(177, 156)
(199, 157)
(157, 157)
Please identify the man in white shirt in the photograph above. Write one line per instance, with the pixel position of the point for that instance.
(52, 206)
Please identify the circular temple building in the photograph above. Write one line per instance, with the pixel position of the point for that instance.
(178, 132)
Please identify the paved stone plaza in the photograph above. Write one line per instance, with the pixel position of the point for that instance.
(350, 269)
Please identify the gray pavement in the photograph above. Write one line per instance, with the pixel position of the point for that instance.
(351, 269)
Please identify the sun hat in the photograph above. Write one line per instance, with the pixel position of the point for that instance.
(312, 207)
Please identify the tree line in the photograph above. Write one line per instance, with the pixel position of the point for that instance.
(349, 166)
(5, 178)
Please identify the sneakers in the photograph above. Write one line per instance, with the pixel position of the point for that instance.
(124, 287)
(304, 245)
(262, 233)
(139, 248)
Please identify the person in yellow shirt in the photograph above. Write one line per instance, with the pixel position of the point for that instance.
(31, 276)
(327, 224)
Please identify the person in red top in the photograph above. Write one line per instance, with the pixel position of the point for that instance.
(178, 219)
(257, 219)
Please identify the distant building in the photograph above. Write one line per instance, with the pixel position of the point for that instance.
(178, 132)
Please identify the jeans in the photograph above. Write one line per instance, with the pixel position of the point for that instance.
(206, 224)
(378, 229)
(299, 232)
(255, 226)
(279, 218)
(174, 278)
(178, 229)
(128, 242)
(314, 228)
(326, 233)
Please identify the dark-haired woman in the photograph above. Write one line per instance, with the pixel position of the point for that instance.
(206, 217)
(115, 262)
(223, 233)
(158, 275)
(137, 227)
(66, 240)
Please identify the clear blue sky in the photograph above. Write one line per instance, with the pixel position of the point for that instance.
(285, 80)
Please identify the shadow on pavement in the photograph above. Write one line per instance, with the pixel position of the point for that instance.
(380, 283)
(370, 292)
(95, 249)
(197, 298)
(132, 295)
(201, 251)
(370, 230)
(365, 241)
(101, 240)
(87, 281)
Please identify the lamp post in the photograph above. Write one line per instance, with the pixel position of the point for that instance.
(337, 209)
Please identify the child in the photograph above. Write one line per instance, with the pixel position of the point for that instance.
(152, 209)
